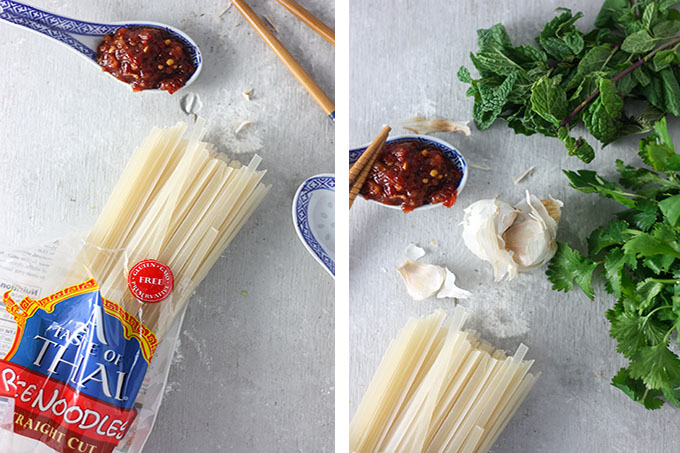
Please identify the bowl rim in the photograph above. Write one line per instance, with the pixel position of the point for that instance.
(422, 137)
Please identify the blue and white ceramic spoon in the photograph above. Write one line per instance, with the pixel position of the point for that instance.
(85, 37)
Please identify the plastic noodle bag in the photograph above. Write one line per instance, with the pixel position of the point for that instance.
(90, 323)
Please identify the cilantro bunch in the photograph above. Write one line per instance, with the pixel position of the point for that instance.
(638, 254)
(570, 77)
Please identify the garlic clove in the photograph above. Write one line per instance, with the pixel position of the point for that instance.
(484, 223)
(450, 289)
(422, 280)
(531, 243)
(532, 239)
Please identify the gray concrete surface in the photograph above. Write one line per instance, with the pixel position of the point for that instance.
(405, 55)
(253, 373)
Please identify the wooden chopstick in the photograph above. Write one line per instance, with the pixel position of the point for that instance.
(286, 57)
(362, 167)
(309, 19)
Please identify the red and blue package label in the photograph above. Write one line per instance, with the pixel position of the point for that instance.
(75, 369)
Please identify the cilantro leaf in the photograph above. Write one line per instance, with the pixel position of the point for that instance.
(636, 390)
(640, 262)
(647, 290)
(612, 234)
(613, 269)
(647, 212)
(628, 330)
(670, 208)
(569, 267)
(588, 181)
(657, 366)
(645, 244)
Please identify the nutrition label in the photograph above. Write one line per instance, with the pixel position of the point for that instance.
(24, 274)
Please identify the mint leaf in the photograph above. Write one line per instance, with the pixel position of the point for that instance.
(611, 99)
(464, 75)
(560, 39)
(666, 28)
(495, 61)
(494, 96)
(579, 148)
(593, 60)
(484, 118)
(663, 59)
(549, 100)
(649, 14)
(610, 13)
(638, 42)
(494, 37)
(671, 91)
(568, 267)
(527, 56)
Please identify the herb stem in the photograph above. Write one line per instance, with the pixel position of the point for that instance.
(655, 310)
(619, 76)
(611, 54)
(665, 281)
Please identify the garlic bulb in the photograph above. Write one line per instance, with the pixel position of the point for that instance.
(513, 239)
(422, 280)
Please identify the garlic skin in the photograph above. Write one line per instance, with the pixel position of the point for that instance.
(414, 253)
(484, 223)
(450, 289)
(422, 280)
(420, 125)
(512, 238)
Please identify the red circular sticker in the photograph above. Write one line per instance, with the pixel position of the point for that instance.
(150, 281)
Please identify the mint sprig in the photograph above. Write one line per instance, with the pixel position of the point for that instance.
(573, 78)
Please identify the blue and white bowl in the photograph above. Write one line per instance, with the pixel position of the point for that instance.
(314, 218)
(84, 37)
(446, 148)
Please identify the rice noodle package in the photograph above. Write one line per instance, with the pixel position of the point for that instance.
(90, 322)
